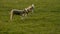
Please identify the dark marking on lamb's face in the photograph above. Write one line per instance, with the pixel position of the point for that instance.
(30, 9)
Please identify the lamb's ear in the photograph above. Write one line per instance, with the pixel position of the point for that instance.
(25, 9)
(33, 5)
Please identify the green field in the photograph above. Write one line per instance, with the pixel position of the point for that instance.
(44, 20)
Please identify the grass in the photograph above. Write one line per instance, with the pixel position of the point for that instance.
(44, 20)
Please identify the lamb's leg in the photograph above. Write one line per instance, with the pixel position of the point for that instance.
(11, 15)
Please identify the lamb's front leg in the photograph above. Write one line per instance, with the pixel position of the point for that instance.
(22, 16)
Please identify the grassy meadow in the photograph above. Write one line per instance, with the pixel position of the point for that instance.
(44, 20)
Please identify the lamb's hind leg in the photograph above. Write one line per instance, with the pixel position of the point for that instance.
(11, 15)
